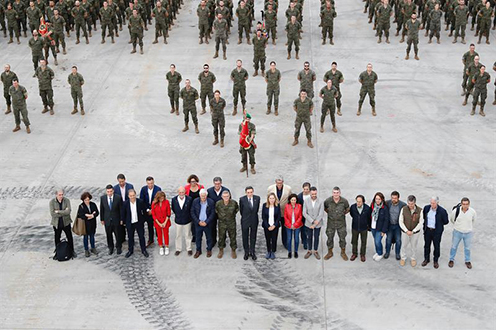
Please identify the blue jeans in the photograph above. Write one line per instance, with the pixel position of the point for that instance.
(313, 237)
(290, 233)
(467, 241)
(92, 241)
(394, 231)
(377, 241)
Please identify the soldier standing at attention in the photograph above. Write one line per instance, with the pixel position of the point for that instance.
(327, 18)
(220, 28)
(407, 10)
(293, 31)
(412, 26)
(368, 79)
(259, 44)
(80, 14)
(174, 78)
(106, 15)
(243, 15)
(246, 132)
(271, 23)
(19, 95)
(45, 76)
(337, 79)
(484, 24)
(189, 95)
(160, 15)
(435, 23)
(303, 106)
(36, 45)
(207, 80)
(11, 15)
(76, 81)
(306, 77)
(467, 60)
(34, 15)
(7, 77)
(472, 70)
(273, 78)
(226, 210)
(328, 94)
(136, 24)
(461, 19)
(217, 106)
(203, 13)
(57, 23)
(480, 81)
(239, 76)
(384, 13)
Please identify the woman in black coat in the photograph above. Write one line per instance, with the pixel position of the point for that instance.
(271, 213)
(88, 211)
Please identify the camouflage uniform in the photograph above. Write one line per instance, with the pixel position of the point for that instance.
(248, 152)
(34, 15)
(259, 45)
(173, 89)
(206, 88)
(303, 116)
(58, 31)
(368, 87)
(336, 221)
(36, 46)
(467, 59)
(189, 106)
(76, 81)
(271, 24)
(306, 81)
(337, 78)
(19, 104)
(328, 104)
(327, 16)
(80, 15)
(6, 79)
(239, 89)
(226, 215)
(273, 88)
(45, 78)
(218, 119)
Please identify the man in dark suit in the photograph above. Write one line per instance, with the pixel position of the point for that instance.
(134, 215)
(181, 206)
(215, 194)
(435, 218)
(111, 218)
(122, 189)
(202, 213)
(147, 194)
(248, 208)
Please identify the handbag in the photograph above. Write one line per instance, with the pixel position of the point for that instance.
(79, 227)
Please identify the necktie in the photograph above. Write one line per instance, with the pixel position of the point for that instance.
(251, 203)
(110, 203)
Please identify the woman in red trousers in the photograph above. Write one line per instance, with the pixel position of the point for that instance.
(161, 213)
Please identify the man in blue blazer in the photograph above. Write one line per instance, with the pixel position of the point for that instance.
(134, 215)
(215, 194)
(435, 218)
(147, 195)
(202, 213)
(181, 206)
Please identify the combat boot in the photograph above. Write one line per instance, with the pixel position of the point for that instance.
(141, 50)
(416, 57)
(18, 41)
(248, 40)
(455, 40)
(177, 111)
(45, 110)
(134, 50)
(373, 112)
(77, 41)
(407, 57)
(129, 42)
(221, 253)
(343, 254)
(438, 41)
(323, 41)
(165, 40)
(481, 111)
(451, 34)
(494, 102)
(321, 128)
(487, 41)
(222, 142)
(206, 40)
(263, 73)
(380, 40)
(64, 51)
(17, 128)
(330, 41)
(268, 110)
(289, 55)
(216, 54)
(51, 110)
(8, 110)
(473, 111)
(117, 33)
(463, 40)
(55, 61)
(74, 111)
(197, 131)
(113, 41)
(273, 41)
(82, 111)
(244, 168)
(203, 111)
(216, 141)
(239, 41)
(103, 40)
(252, 170)
(186, 127)
(339, 113)
(255, 73)
(172, 110)
(233, 254)
(155, 41)
(11, 41)
(296, 55)
(28, 130)
(90, 34)
(426, 33)
(328, 255)
(309, 143)
(295, 142)
(387, 40)
(466, 99)
(224, 55)
(201, 41)
(87, 40)
(359, 111)
(235, 111)
(334, 129)
(402, 39)
(276, 111)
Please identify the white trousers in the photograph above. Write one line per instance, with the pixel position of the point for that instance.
(183, 231)
(409, 245)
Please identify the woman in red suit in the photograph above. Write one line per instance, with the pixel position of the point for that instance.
(161, 213)
(293, 223)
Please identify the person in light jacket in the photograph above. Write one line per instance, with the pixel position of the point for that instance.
(313, 213)
(462, 218)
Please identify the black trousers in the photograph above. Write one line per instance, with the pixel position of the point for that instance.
(284, 234)
(271, 239)
(431, 237)
(213, 225)
(115, 230)
(131, 229)
(68, 234)
(249, 233)
(151, 228)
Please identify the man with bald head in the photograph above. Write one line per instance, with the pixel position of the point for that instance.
(7, 77)
(181, 206)
(435, 218)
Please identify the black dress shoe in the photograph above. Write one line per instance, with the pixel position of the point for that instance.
(289, 255)
(111, 251)
(145, 253)
(74, 254)
(119, 251)
(253, 257)
(128, 254)
(398, 257)
(296, 255)
(246, 256)
(386, 255)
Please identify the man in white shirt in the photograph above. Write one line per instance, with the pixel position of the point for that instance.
(462, 218)
(134, 211)
(410, 221)
(147, 195)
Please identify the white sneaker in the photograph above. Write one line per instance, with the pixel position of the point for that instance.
(166, 251)
(378, 258)
(375, 256)
(161, 251)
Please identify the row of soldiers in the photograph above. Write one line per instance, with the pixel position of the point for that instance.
(429, 14)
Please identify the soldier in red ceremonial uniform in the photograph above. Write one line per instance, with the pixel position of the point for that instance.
(247, 144)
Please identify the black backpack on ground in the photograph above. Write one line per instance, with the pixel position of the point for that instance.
(63, 252)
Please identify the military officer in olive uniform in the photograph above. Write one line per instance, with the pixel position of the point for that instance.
(327, 18)
(384, 13)
(306, 77)
(250, 152)
(13, 27)
(34, 15)
(207, 80)
(174, 78)
(461, 19)
(480, 81)
(273, 78)
(243, 15)
(217, 106)
(203, 13)
(189, 95)
(36, 45)
(472, 70)
(136, 24)
(57, 23)
(293, 29)
(7, 77)
(368, 79)
(45, 76)
(435, 23)
(161, 17)
(271, 23)
(484, 25)
(76, 81)
(328, 94)
(239, 76)
(467, 60)
(80, 14)
(337, 79)
(220, 28)
(303, 106)
(106, 16)
(259, 44)
(412, 26)
(19, 95)
(226, 210)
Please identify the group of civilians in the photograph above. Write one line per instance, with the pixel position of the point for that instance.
(212, 212)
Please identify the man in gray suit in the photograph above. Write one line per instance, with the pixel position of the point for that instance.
(111, 216)
(248, 208)
(313, 212)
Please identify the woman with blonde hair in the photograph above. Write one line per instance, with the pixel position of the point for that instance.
(271, 212)
(161, 213)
